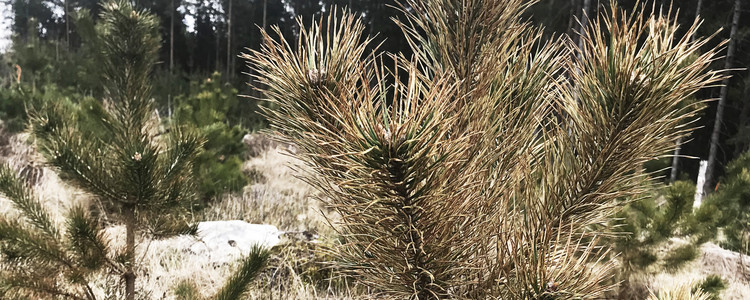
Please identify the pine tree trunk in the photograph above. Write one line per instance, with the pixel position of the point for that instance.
(171, 57)
(572, 20)
(678, 143)
(722, 102)
(217, 64)
(741, 145)
(697, 15)
(129, 215)
(265, 11)
(419, 277)
(67, 26)
(675, 160)
(229, 40)
(171, 37)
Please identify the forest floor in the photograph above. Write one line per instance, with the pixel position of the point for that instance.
(298, 268)
(733, 267)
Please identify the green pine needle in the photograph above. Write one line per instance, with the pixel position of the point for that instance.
(86, 239)
(24, 200)
(250, 267)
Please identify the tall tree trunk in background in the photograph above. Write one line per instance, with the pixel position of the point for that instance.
(678, 146)
(26, 15)
(722, 102)
(217, 66)
(171, 56)
(67, 25)
(741, 145)
(265, 12)
(171, 37)
(229, 41)
(572, 25)
(584, 22)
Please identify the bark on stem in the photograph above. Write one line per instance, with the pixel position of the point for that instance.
(129, 214)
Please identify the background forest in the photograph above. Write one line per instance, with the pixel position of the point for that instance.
(52, 45)
(201, 83)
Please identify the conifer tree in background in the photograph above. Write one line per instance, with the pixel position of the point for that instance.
(218, 167)
(647, 224)
(732, 201)
(142, 179)
(480, 167)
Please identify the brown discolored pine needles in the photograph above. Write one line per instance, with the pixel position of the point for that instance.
(489, 163)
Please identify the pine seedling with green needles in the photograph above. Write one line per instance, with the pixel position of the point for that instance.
(490, 163)
(218, 167)
(649, 223)
(40, 260)
(249, 268)
(236, 285)
(138, 178)
(731, 205)
(712, 285)
(142, 179)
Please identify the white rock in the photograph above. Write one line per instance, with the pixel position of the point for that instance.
(216, 243)
(226, 240)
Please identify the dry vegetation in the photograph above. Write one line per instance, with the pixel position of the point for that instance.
(488, 165)
(298, 269)
(285, 201)
(429, 197)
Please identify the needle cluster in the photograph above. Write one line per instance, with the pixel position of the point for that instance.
(489, 163)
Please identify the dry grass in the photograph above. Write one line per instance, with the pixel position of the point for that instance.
(284, 201)
(679, 292)
(280, 199)
(277, 197)
(298, 268)
(713, 260)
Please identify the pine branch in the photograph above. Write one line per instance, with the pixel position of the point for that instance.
(80, 158)
(130, 43)
(507, 81)
(541, 262)
(139, 172)
(24, 200)
(177, 185)
(184, 146)
(32, 246)
(38, 288)
(86, 240)
(628, 104)
(33, 255)
(251, 266)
